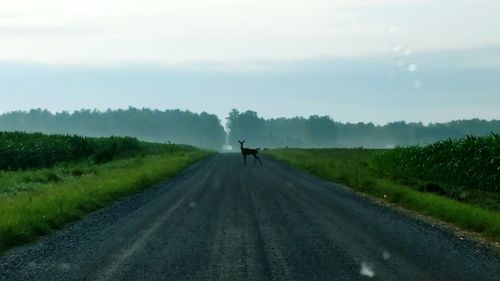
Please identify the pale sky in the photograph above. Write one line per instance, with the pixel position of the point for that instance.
(355, 60)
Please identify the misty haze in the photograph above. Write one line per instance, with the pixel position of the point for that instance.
(206, 130)
(250, 140)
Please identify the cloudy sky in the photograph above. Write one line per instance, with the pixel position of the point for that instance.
(355, 60)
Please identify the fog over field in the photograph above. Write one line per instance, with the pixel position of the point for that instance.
(208, 131)
(452, 85)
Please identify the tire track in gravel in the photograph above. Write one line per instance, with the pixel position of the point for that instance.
(144, 235)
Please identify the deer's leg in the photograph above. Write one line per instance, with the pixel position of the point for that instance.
(244, 159)
(258, 158)
(254, 159)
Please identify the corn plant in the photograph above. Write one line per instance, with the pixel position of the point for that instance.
(471, 162)
(31, 151)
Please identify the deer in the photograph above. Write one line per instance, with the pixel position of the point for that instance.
(248, 151)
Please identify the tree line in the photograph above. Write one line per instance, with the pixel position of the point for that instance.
(323, 131)
(207, 131)
(176, 126)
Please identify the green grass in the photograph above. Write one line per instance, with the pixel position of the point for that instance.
(354, 168)
(39, 202)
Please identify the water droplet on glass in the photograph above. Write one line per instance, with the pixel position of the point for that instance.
(401, 63)
(396, 47)
(408, 51)
(366, 270)
(386, 255)
(418, 84)
(412, 67)
(192, 205)
(391, 30)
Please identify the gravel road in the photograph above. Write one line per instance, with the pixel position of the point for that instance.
(219, 220)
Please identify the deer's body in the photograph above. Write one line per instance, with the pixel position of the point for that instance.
(248, 151)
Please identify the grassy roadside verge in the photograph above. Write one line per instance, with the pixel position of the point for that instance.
(351, 167)
(27, 215)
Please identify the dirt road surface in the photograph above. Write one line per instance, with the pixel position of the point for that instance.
(219, 220)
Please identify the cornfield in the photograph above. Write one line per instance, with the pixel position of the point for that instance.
(471, 162)
(31, 151)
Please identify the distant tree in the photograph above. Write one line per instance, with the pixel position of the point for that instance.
(321, 131)
(245, 126)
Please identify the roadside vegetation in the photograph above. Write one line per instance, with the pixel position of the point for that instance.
(455, 181)
(37, 197)
(31, 151)
(456, 168)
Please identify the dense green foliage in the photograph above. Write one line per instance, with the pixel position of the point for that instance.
(176, 126)
(66, 193)
(355, 168)
(32, 151)
(323, 131)
(471, 162)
